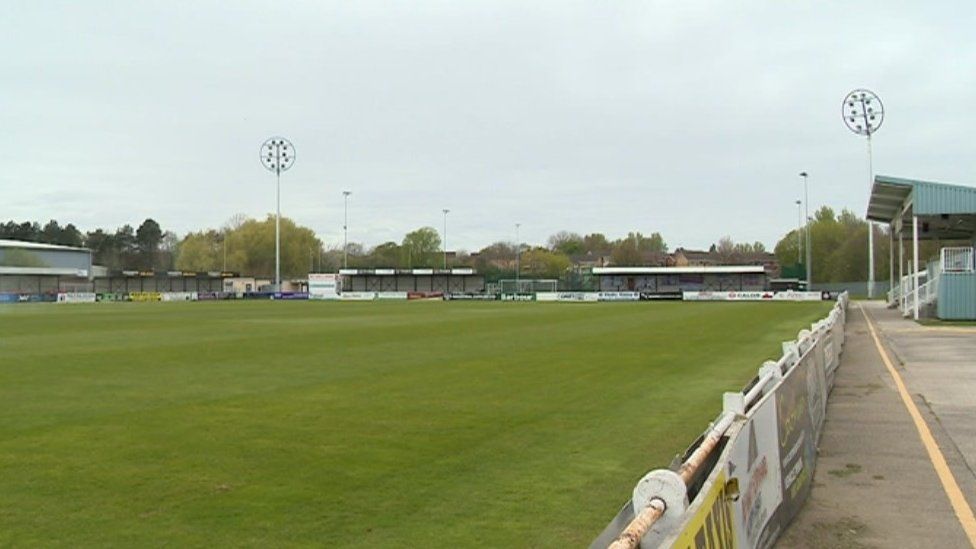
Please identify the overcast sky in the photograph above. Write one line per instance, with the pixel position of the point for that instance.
(686, 118)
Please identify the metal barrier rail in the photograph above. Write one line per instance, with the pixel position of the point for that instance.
(666, 490)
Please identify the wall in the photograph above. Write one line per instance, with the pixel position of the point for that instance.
(957, 296)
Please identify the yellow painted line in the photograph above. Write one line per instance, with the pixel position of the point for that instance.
(963, 512)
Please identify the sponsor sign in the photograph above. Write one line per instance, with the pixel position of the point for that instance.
(727, 296)
(792, 295)
(9, 298)
(797, 438)
(391, 295)
(618, 296)
(76, 297)
(358, 296)
(145, 296)
(712, 526)
(425, 295)
(652, 296)
(571, 297)
(289, 295)
(517, 297)
(754, 462)
(471, 297)
(323, 286)
(178, 296)
(789, 295)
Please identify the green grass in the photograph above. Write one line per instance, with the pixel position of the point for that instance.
(355, 424)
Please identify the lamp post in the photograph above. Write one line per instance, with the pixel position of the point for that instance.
(806, 206)
(518, 250)
(277, 155)
(345, 229)
(863, 113)
(799, 231)
(446, 211)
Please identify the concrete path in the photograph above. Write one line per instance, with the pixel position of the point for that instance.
(875, 484)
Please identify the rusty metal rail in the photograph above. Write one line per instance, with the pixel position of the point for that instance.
(646, 517)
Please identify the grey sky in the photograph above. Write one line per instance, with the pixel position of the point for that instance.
(684, 118)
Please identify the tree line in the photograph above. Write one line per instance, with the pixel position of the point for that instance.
(840, 248)
(147, 247)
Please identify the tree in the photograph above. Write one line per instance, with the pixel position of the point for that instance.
(725, 249)
(420, 247)
(251, 249)
(567, 243)
(148, 237)
(542, 263)
(386, 255)
(596, 243)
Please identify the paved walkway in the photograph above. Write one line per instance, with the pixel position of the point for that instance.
(875, 484)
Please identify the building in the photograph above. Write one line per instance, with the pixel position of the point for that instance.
(35, 268)
(922, 210)
(412, 280)
(672, 281)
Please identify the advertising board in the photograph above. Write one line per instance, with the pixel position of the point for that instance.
(357, 296)
(618, 296)
(76, 297)
(712, 525)
(323, 286)
(398, 296)
(470, 297)
(754, 462)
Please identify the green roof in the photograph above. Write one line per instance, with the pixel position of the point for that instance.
(891, 195)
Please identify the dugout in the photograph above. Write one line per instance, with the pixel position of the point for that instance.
(412, 280)
(671, 281)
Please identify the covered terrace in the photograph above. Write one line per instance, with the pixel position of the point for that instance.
(922, 210)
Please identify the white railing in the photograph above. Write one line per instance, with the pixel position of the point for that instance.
(927, 293)
(957, 260)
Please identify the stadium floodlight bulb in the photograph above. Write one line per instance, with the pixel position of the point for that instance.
(277, 154)
(866, 112)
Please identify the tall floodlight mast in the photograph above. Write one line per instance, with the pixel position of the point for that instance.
(863, 114)
(277, 155)
(345, 229)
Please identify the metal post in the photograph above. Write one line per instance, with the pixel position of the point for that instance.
(225, 251)
(277, 155)
(345, 229)
(446, 211)
(901, 272)
(806, 202)
(278, 233)
(870, 226)
(891, 258)
(518, 250)
(799, 231)
(915, 262)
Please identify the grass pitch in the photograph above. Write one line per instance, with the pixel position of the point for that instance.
(355, 424)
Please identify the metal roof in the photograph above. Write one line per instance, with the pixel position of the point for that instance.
(25, 245)
(890, 196)
(716, 269)
(409, 272)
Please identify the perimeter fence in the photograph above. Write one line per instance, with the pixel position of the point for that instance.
(746, 477)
